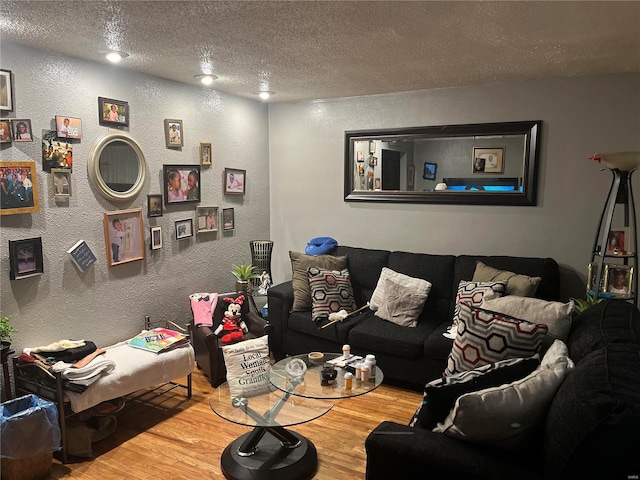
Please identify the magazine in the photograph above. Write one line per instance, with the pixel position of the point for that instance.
(158, 340)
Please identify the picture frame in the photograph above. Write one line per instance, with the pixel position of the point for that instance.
(184, 190)
(234, 181)
(113, 113)
(184, 228)
(373, 161)
(205, 154)
(376, 183)
(25, 258)
(173, 133)
(618, 280)
(206, 219)
(592, 270)
(487, 160)
(360, 156)
(372, 147)
(24, 198)
(617, 240)
(56, 152)
(61, 182)
(155, 238)
(6, 135)
(6, 90)
(68, 127)
(21, 129)
(228, 219)
(154, 205)
(429, 171)
(124, 236)
(411, 177)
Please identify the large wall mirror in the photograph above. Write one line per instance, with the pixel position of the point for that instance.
(482, 164)
(116, 166)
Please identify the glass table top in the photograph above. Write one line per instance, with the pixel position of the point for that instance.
(311, 385)
(275, 408)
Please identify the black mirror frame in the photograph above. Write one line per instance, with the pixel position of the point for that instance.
(531, 130)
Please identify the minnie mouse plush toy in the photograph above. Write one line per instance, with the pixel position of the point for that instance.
(232, 328)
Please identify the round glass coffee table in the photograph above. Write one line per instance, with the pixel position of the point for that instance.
(270, 451)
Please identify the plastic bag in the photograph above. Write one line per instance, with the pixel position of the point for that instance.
(29, 427)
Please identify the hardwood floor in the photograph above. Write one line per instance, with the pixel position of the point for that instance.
(183, 439)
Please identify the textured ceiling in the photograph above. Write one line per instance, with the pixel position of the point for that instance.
(310, 50)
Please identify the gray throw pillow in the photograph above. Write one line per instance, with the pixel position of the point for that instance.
(401, 305)
(300, 263)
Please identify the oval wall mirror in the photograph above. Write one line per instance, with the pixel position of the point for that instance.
(116, 166)
(475, 164)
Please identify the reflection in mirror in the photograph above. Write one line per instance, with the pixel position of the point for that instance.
(117, 166)
(466, 164)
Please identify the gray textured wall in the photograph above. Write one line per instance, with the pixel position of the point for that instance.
(580, 116)
(105, 304)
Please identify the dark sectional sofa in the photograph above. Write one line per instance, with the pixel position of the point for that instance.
(590, 431)
(408, 356)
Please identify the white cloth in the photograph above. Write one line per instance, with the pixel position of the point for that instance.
(86, 375)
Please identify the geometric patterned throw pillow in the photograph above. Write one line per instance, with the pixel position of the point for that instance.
(485, 337)
(474, 293)
(331, 291)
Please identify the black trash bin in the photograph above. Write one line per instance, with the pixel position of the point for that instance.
(29, 434)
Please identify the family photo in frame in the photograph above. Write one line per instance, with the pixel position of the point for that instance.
(205, 154)
(25, 258)
(124, 237)
(618, 280)
(206, 219)
(68, 127)
(173, 133)
(181, 183)
(113, 113)
(20, 188)
(21, 128)
(184, 228)
(234, 181)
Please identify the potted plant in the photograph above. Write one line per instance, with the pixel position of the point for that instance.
(6, 330)
(243, 274)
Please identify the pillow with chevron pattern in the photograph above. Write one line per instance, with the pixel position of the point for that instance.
(485, 337)
(474, 293)
(331, 291)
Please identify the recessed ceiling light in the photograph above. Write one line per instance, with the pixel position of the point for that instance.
(265, 94)
(114, 56)
(206, 79)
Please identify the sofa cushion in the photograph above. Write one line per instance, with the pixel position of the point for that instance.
(300, 281)
(610, 321)
(555, 315)
(402, 305)
(373, 334)
(417, 285)
(546, 268)
(507, 415)
(440, 395)
(474, 293)
(517, 284)
(437, 346)
(485, 337)
(300, 322)
(330, 292)
(364, 265)
(436, 269)
(592, 426)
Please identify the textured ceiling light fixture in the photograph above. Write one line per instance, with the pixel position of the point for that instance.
(114, 56)
(206, 79)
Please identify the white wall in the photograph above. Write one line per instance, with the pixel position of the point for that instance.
(581, 116)
(105, 304)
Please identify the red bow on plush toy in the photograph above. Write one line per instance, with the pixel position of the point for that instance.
(232, 327)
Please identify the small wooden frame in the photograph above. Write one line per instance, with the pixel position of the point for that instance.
(24, 198)
(124, 237)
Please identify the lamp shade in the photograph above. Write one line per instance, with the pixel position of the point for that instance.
(625, 161)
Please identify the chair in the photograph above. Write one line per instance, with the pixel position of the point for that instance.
(207, 346)
(261, 258)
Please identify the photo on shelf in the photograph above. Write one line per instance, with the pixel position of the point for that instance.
(618, 280)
